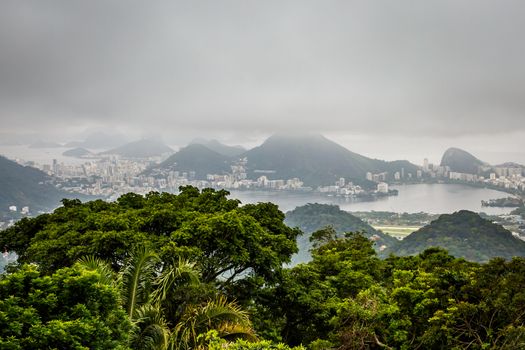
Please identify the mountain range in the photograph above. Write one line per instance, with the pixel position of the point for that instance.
(313, 158)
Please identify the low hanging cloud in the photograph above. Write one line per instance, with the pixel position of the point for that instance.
(441, 68)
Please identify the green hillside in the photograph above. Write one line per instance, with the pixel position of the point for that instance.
(464, 234)
(317, 161)
(26, 186)
(198, 158)
(312, 217)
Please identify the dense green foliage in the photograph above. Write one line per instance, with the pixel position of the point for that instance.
(464, 234)
(214, 342)
(224, 239)
(347, 298)
(198, 271)
(312, 217)
(168, 302)
(72, 308)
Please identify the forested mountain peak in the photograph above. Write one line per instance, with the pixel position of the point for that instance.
(464, 234)
(316, 160)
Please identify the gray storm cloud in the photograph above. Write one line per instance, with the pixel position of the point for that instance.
(397, 67)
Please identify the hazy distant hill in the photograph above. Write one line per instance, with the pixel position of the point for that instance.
(10, 139)
(461, 161)
(221, 148)
(198, 158)
(511, 165)
(312, 217)
(141, 149)
(99, 140)
(316, 160)
(76, 152)
(25, 186)
(45, 144)
(464, 234)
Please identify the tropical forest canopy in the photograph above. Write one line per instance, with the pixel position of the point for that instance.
(198, 270)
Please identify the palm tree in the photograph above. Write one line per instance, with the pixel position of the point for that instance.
(163, 318)
(227, 318)
(136, 279)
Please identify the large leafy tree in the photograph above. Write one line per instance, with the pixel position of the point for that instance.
(227, 241)
(308, 296)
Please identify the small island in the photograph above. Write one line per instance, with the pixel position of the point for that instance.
(508, 202)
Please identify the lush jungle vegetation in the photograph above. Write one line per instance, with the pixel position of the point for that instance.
(199, 271)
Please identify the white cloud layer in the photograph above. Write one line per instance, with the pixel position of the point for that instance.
(442, 69)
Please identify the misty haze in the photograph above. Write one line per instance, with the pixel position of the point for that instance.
(243, 174)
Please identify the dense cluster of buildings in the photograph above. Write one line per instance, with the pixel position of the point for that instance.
(505, 178)
(112, 176)
(511, 177)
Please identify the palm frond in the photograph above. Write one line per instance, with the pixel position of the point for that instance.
(232, 331)
(151, 329)
(107, 275)
(177, 274)
(136, 279)
(219, 314)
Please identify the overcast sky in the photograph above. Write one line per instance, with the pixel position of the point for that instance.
(379, 76)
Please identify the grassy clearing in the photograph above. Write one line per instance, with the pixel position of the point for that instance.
(397, 231)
